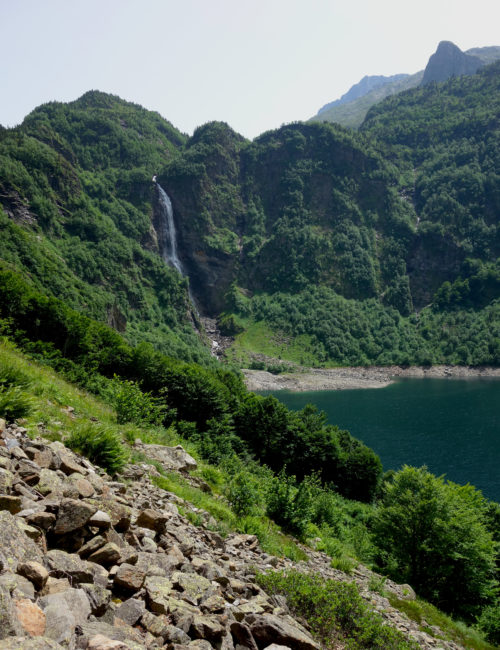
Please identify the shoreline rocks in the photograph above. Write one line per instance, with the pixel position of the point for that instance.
(348, 378)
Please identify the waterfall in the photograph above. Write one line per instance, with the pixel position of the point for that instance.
(167, 231)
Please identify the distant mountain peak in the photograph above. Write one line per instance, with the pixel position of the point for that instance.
(449, 61)
(363, 87)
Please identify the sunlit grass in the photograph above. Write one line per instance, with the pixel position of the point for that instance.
(426, 615)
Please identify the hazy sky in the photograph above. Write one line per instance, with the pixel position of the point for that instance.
(252, 63)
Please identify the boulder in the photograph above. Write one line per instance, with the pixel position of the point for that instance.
(131, 610)
(208, 628)
(49, 482)
(15, 545)
(27, 643)
(129, 577)
(66, 565)
(73, 514)
(172, 458)
(74, 600)
(98, 597)
(34, 572)
(158, 590)
(269, 629)
(101, 642)
(193, 586)
(9, 623)
(100, 519)
(18, 586)
(152, 519)
(106, 555)
(69, 465)
(31, 617)
(11, 503)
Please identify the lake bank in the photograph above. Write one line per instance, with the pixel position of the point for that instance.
(319, 379)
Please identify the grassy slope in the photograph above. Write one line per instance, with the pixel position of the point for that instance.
(47, 397)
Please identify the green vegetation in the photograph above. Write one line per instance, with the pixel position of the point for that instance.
(433, 534)
(335, 611)
(428, 615)
(311, 244)
(244, 496)
(102, 445)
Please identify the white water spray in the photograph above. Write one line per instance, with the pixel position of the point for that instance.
(167, 231)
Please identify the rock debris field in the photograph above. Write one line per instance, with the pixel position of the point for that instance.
(91, 562)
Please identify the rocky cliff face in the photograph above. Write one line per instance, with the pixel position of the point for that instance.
(449, 61)
(90, 562)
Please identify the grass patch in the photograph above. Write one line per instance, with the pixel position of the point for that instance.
(271, 539)
(259, 338)
(101, 445)
(427, 615)
(335, 611)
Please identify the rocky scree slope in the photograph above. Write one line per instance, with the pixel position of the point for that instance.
(91, 562)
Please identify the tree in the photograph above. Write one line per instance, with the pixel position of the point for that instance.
(433, 534)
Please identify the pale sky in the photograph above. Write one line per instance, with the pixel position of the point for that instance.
(254, 64)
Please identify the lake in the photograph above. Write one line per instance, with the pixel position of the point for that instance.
(450, 425)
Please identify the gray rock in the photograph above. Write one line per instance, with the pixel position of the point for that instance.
(66, 565)
(9, 623)
(106, 555)
(15, 545)
(49, 482)
(91, 546)
(129, 577)
(34, 572)
(131, 610)
(172, 458)
(41, 519)
(69, 465)
(28, 643)
(268, 629)
(158, 591)
(73, 514)
(208, 628)
(18, 586)
(173, 634)
(100, 519)
(242, 635)
(11, 503)
(98, 597)
(63, 612)
(6, 479)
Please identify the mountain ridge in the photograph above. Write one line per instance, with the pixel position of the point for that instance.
(351, 113)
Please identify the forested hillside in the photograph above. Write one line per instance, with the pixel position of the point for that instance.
(313, 243)
(75, 215)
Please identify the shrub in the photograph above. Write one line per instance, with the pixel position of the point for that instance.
(489, 623)
(14, 403)
(101, 445)
(243, 494)
(133, 405)
(12, 376)
(289, 504)
(335, 611)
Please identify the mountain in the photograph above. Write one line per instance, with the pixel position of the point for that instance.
(449, 61)
(76, 217)
(366, 85)
(312, 244)
(351, 109)
(352, 113)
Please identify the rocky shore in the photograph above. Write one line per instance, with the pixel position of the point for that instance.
(313, 379)
(87, 562)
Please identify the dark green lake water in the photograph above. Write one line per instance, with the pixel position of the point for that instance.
(450, 425)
